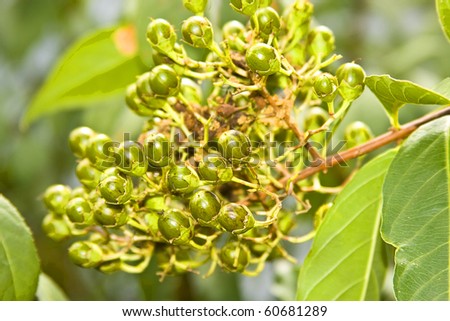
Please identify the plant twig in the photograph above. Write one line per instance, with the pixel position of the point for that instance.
(369, 146)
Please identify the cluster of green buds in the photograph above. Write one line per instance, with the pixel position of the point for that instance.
(209, 182)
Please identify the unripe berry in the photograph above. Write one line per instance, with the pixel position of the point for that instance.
(263, 59)
(198, 32)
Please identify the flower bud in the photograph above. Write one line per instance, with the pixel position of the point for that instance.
(55, 228)
(176, 227)
(79, 210)
(204, 207)
(164, 81)
(198, 32)
(234, 257)
(351, 78)
(265, 22)
(78, 140)
(161, 35)
(325, 87)
(56, 198)
(115, 187)
(182, 180)
(236, 218)
(320, 42)
(263, 59)
(86, 254)
(357, 133)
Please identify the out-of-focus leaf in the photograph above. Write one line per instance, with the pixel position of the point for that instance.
(443, 87)
(19, 262)
(394, 94)
(93, 69)
(347, 260)
(48, 290)
(416, 213)
(443, 9)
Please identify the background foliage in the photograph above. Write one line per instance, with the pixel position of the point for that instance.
(401, 38)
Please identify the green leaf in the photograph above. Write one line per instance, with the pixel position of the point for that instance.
(394, 94)
(48, 290)
(93, 69)
(443, 9)
(443, 87)
(416, 213)
(347, 260)
(19, 262)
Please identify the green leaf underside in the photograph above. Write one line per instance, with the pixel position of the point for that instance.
(416, 213)
(347, 260)
(443, 9)
(394, 93)
(48, 290)
(19, 262)
(92, 70)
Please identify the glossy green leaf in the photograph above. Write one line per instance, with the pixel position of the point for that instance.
(48, 290)
(443, 9)
(347, 260)
(394, 94)
(416, 213)
(93, 69)
(19, 262)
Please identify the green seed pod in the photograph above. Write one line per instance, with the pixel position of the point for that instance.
(161, 35)
(132, 159)
(101, 151)
(86, 254)
(198, 32)
(79, 210)
(195, 6)
(351, 78)
(263, 59)
(191, 90)
(78, 140)
(115, 187)
(56, 198)
(55, 227)
(176, 227)
(234, 33)
(265, 22)
(234, 144)
(158, 150)
(87, 174)
(135, 103)
(204, 207)
(247, 7)
(320, 42)
(236, 218)
(164, 81)
(215, 168)
(78, 192)
(110, 215)
(314, 118)
(297, 18)
(182, 180)
(147, 97)
(325, 87)
(234, 257)
(357, 133)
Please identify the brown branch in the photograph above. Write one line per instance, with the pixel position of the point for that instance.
(369, 146)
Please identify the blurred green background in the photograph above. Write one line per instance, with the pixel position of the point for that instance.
(401, 38)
